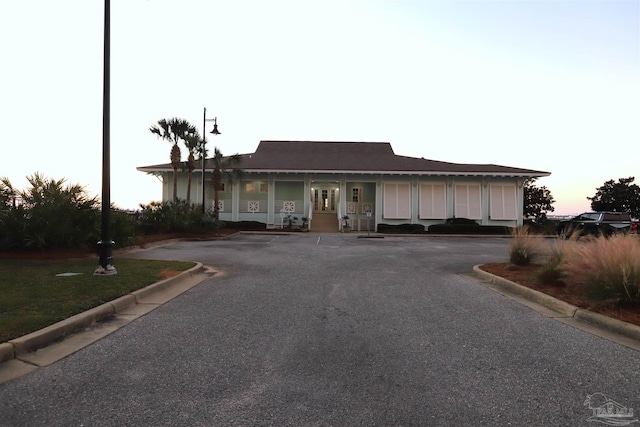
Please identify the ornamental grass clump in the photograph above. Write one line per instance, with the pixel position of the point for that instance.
(525, 247)
(553, 271)
(608, 269)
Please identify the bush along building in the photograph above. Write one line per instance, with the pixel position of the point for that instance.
(325, 182)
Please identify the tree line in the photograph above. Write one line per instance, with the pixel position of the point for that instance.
(621, 196)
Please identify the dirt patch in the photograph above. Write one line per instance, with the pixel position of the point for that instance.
(167, 274)
(152, 238)
(568, 290)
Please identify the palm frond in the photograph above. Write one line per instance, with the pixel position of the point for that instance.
(180, 128)
(193, 142)
(161, 130)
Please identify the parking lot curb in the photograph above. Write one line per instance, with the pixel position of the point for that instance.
(50, 334)
(616, 330)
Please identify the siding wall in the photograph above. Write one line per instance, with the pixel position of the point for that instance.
(422, 200)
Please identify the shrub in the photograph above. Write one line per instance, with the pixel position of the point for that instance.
(12, 224)
(461, 221)
(608, 268)
(166, 217)
(123, 228)
(244, 225)
(525, 248)
(401, 228)
(469, 229)
(51, 215)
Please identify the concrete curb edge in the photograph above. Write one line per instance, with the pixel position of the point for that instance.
(45, 336)
(609, 324)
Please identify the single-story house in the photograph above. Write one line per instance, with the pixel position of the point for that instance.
(366, 181)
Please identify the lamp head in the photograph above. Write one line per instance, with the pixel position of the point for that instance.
(215, 127)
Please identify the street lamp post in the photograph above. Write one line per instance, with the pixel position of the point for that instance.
(204, 142)
(106, 268)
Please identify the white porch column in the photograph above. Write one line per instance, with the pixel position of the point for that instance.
(306, 206)
(415, 212)
(379, 201)
(343, 195)
(235, 201)
(271, 200)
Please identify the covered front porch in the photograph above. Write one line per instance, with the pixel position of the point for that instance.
(323, 201)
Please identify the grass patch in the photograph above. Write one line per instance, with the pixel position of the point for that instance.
(33, 297)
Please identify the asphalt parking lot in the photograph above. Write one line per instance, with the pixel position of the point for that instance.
(335, 330)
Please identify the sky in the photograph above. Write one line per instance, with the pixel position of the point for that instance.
(549, 85)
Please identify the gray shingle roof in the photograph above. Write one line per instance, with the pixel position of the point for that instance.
(372, 157)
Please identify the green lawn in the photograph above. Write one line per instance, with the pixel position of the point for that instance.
(33, 297)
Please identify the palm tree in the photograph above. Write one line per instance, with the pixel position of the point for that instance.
(193, 143)
(174, 130)
(223, 167)
(8, 194)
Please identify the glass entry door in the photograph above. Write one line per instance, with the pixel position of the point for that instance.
(324, 200)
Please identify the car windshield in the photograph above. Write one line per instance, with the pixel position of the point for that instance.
(588, 217)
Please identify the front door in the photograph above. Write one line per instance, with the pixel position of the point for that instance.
(324, 200)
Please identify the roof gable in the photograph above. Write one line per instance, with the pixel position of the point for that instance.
(365, 157)
(355, 156)
(311, 155)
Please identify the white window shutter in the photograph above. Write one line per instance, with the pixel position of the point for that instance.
(433, 201)
(397, 201)
(503, 201)
(390, 201)
(468, 203)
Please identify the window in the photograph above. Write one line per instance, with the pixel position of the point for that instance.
(588, 217)
(433, 201)
(467, 201)
(503, 202)
(616, 216)
(257, 186)
(397, 201)
(356, 195)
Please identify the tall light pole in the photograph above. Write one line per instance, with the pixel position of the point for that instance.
(204, 142)
(105, 244)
